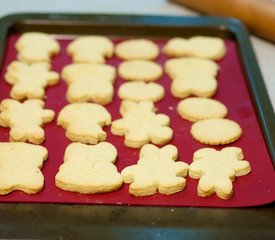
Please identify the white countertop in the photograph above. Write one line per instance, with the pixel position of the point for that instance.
(265, 51)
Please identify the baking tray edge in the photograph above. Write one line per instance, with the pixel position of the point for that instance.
(75, 221)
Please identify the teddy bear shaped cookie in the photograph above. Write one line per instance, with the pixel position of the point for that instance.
(89, 169)
(20, 165)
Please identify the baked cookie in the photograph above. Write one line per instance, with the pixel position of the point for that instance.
(20, 165)
(36, 47)
(217, 170)
(84, 121)
(216, 131)
(90, 49)
(140, 70)
(195, 109)
(89, 169)
(142, 49)
(177, 67)
(25, 119)
(196, 85)
(141, 125)
(156, 171)
(140, 91)
(30, 81)
(198, 46)
(79, 71)
(89, 82)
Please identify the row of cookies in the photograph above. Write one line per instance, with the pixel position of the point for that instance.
(40, 47)
(90, 169)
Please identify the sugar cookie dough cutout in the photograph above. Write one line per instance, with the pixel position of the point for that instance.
(216, 131)
(140, 70)
(142, 49)
(177, 67)
(195, 109)
(140, 91)
(156, 171)
(89, 82)
(20, 165)
(89, 169)
(30, 81)
(198, 46)
(36, 47)
(90, 49)
(141, 125)
(197, 85)
(79, 71)
(25, 119)
(84, 121)
(217, 170)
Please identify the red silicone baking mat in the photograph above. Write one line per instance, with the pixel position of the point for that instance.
(256, 188)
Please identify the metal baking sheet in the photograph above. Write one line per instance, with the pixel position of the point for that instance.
(256, 188)
(159, 27)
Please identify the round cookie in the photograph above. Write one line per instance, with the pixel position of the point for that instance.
(216, 131)
(195, 109)
(140, 91)
(137, 49)
(140, 70)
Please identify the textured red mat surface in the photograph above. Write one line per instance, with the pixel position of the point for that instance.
(257, 188)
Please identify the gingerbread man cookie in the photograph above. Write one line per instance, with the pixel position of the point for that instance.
(84, 121)
(25, 119)
(30, 81)
(36, 47)
(140, 124)
(217, 170)
(20, 165)
(156, 170)
(89, 169)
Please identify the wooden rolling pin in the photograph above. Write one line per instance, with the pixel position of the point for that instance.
(258, 15)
